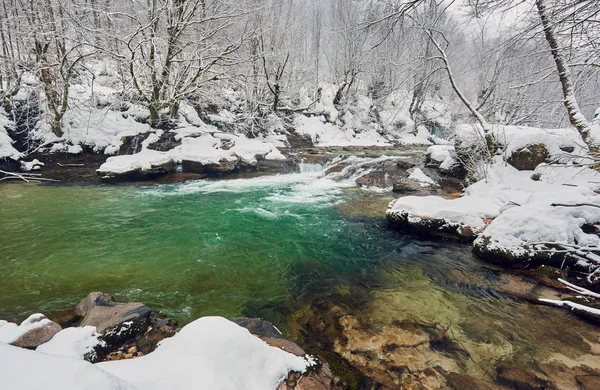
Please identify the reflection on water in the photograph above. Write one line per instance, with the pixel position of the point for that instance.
(297, 250)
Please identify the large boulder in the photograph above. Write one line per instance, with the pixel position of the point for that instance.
(105, 317)
(529, 157)
(92, 300)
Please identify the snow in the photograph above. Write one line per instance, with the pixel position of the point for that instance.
(95, 122)
(10, 332)
(205, 149)
(31, 370)
(595, 127)
(513, 138)
(212, 149)
(466, 211)
(517, 137)
(6, 148)
(324, 133)
(443, 156)
(34, 165)
(528, 217)
(424, 180)
(73, 342)
(144, 160)
(209, 353)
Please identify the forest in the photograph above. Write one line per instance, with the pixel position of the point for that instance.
(510, 62)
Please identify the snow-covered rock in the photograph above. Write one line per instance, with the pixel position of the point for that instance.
(209, 353)
(28, 370)
(145, 164)
(325, 133)
(33, 331)
(461, 218)
(6, 143)
(523, 147)
(538, 214)
(417, 175)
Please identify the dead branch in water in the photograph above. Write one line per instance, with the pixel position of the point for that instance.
(26, 177)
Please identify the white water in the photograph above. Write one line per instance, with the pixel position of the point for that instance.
(310, 185)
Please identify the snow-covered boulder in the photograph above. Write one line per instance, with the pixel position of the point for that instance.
(219, 153)
(522, 146)
(462, 218)
(33, 331)
(323, 133)
(24, 369)
(560, 208)
(540, 230)
(444, 158)
(74, 342)
(146, 164)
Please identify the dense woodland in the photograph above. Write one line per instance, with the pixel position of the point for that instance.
(522, 62)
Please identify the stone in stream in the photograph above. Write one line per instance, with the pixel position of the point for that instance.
(42, 330)
(106, 317)
(92, 300)
(258, 327)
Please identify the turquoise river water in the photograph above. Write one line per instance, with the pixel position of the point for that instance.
(255, 247)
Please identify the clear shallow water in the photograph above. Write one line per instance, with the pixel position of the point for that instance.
(199, 248)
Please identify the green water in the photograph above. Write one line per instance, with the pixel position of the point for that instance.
(187, 250)
(281, 248)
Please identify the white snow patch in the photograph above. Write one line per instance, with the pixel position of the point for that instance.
(467, 211)
(209, 353)
(326, 134)
(73, 342)
(529, 217)
(29, 166)
(144, 160)
(30, 370)
(444, 156)
(6, 148)
(424, 180)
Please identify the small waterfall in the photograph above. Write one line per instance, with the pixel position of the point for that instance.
(310, 168)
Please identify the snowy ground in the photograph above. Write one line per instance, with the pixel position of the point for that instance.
(209, 353)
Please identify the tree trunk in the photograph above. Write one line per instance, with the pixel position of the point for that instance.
(575, 116)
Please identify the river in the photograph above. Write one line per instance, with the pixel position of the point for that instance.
(285, 248)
